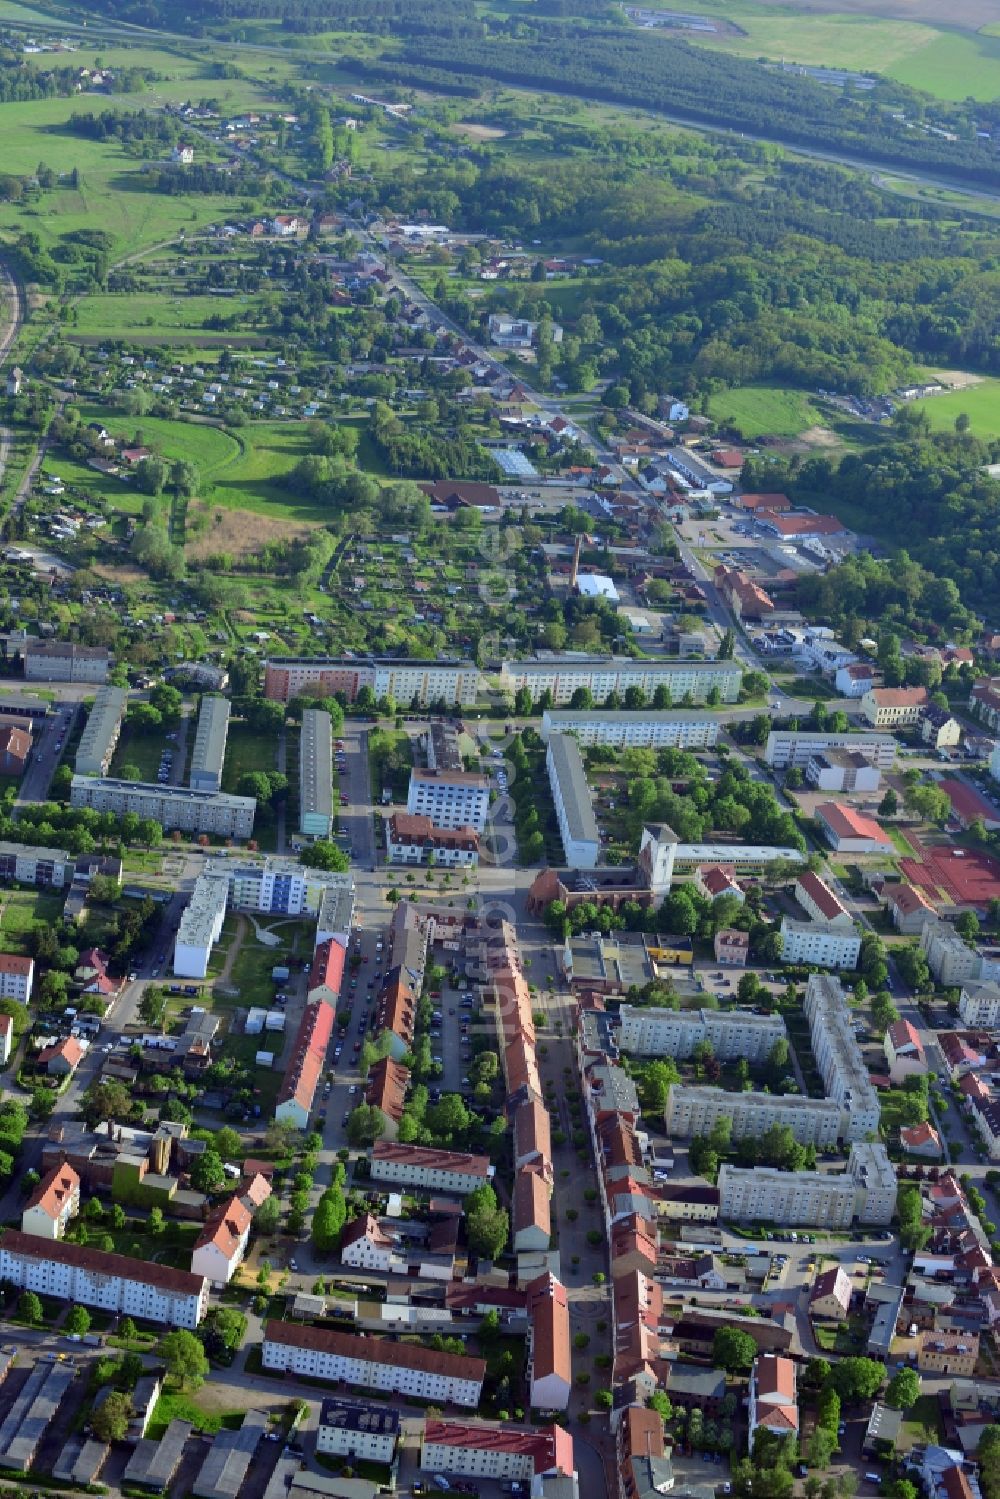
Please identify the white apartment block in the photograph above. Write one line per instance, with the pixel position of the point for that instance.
(676, 1033)
(788, 747)
(821, 943)
(581, 838)
(170, 806)
(641, 729)
(694, 1110)
(286, 887)
(839, 1058)
(373, 1363)
(200, 926)
(865, 1192)
(209, 753)
(427, 1169)
(17, 974)
(368, 1432)
(98, 740)
(564, 675)
(979, 1004)
(61, 661)
(949, 958)
(475, 1450)
(35, 866)
(450, 798)
(110, 1282)
(408, 681)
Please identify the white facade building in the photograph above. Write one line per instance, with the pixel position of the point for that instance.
(209, 752)
(450, 798)
(641, 729)
(17, 975)
(838, 1057)
(865, 1192)
(694, 1110)
(979, 1004)
(407, 680)
(367, 1432)
(200, 926)
(170, 806)
(578, 829)
(675, 1033)
(788, 747)
(110, 1282)
(374, 1363)
(427, 1169)
(822, 943)
(600, 675)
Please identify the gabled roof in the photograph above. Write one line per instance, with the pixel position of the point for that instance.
(54, 1191)
(225, 1227)
(327, 967)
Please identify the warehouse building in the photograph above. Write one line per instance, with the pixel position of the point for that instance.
(316, 774)
(209, 753)
(32, 1413)
(170, 806)
(581, 838)
(99, 738)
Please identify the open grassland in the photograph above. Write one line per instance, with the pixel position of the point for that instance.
(168, 315)
(912, 42)
(766, 410)
(251, 482)
(981, 403)
(207, 447)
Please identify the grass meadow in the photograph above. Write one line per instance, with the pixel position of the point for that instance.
(981, 403)
(766, 410)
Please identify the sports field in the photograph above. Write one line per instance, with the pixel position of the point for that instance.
(980, 403)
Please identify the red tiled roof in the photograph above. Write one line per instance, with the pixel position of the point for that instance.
(902, 1034)
(386, 1090)
(225, 1226)
(375, 1350)
(915, 1135)
(548, 1311)
(13, 963)
(54, 1190)
(68, 1048)
(327, 966)
(899, 697)
(100, 1262)
(845, 822)
(550, 1448)
(434, 1160)
(802, 525)
(906, 899)
(530, 1205)
(308, 1055)
(820, 893)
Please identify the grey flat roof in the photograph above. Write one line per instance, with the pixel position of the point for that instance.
(20, 850)
(567, 767)
(210, 893)
(165, 793)
(102, 724)
(316, 764)
(228, 1459)
(81, 1461)
(32, 1413)
(210, 741)
(285, 1470)
(153, 1464)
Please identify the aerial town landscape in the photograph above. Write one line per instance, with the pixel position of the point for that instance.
(499, 749)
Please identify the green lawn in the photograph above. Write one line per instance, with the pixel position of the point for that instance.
(766, 410)
(21, 911)
(206, 446)
(923, 1422)
(252, 480)
(141, 748)
(946, 63)
(175, 1405)
(246, 750)
(980, 403)
(173, 314)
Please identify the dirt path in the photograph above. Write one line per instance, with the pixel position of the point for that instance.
(234, 950)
